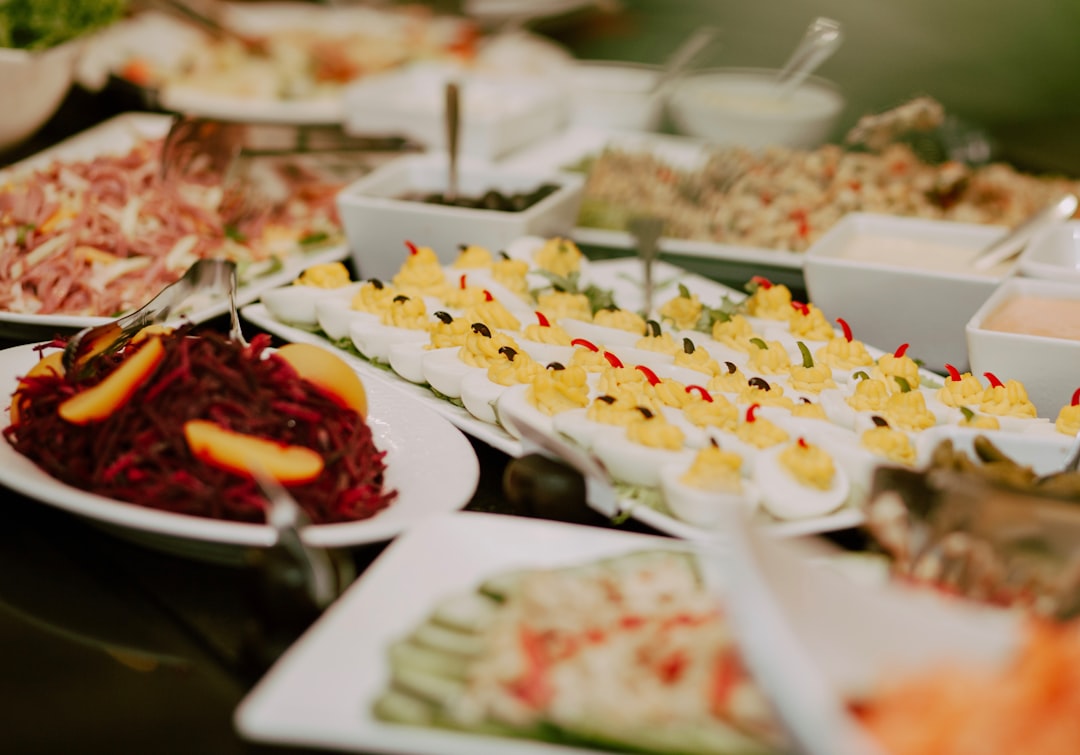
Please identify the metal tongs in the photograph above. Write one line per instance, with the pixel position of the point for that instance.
(212, 277)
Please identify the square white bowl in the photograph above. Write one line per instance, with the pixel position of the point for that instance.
(1054, 254)
(378, 220)
(1047, 366)
(498, 113)
(888, 303)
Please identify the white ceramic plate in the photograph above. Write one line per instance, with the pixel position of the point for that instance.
(579, 142)
(165, 42)
(120, 134)
(429, 462)
(320, 693)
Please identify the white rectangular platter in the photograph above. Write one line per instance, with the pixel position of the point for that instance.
(320, 693)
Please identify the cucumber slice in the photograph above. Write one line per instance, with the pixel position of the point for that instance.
(447, 640)
(439, 691)
(468, 612)
(407, 655)
(404, 708)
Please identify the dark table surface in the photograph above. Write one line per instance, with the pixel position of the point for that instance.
(110, 646)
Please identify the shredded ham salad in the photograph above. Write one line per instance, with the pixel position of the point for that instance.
(102, 236)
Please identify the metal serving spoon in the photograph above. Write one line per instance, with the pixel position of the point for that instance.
(453, 129)
(823, 36)
(214, 277)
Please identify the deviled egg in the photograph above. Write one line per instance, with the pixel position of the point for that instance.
(799, 480)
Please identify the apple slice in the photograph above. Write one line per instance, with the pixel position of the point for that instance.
(97, 403)
(327, 372)
(52, 363)
(239, 453)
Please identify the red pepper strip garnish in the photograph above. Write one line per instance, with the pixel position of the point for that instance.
(751, 412)
(412, 247)
(727, 673)
(461, 281)
(954, 374)
(488, 296)
(802, 442)
(1075, 398)
(802, 309)
(845, 327)
(613, 360)
(701, 391)
(544, 323)
(649, 374)
(901, 350)
(587, 344)
(671, 668)
(994, 382)
(532, 687)
(763, 282)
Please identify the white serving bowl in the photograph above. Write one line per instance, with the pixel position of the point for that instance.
(614, 95)
(35, 84)
(888, 303)
(1054, 254)
(1046, 365)
(737, 107)
(378, 220)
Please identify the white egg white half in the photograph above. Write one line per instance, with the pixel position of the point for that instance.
(407, 359)
(374, 339)
(632, 462)
(336, 316)
(786, 498)
(444, 371)
(479, 394)
(513, 408)
(295, 304)
(702, 508)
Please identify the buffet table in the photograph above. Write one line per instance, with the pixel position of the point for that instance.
(111, 645)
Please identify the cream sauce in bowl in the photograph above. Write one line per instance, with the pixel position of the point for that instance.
(918, 254)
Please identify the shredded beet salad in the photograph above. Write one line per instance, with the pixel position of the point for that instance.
(139, 454)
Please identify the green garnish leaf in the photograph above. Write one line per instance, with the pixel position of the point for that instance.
(860, 375)
(759, 343)
(905, 386)
(968, 414)
(24, 229)
(315, 238)
(684, 292)
(233, 233)
(807, 357)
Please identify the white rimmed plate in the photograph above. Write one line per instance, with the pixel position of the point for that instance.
(320, 693)
(117, 135)
(429, 462)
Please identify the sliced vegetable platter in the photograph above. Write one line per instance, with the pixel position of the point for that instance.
(325, 690)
